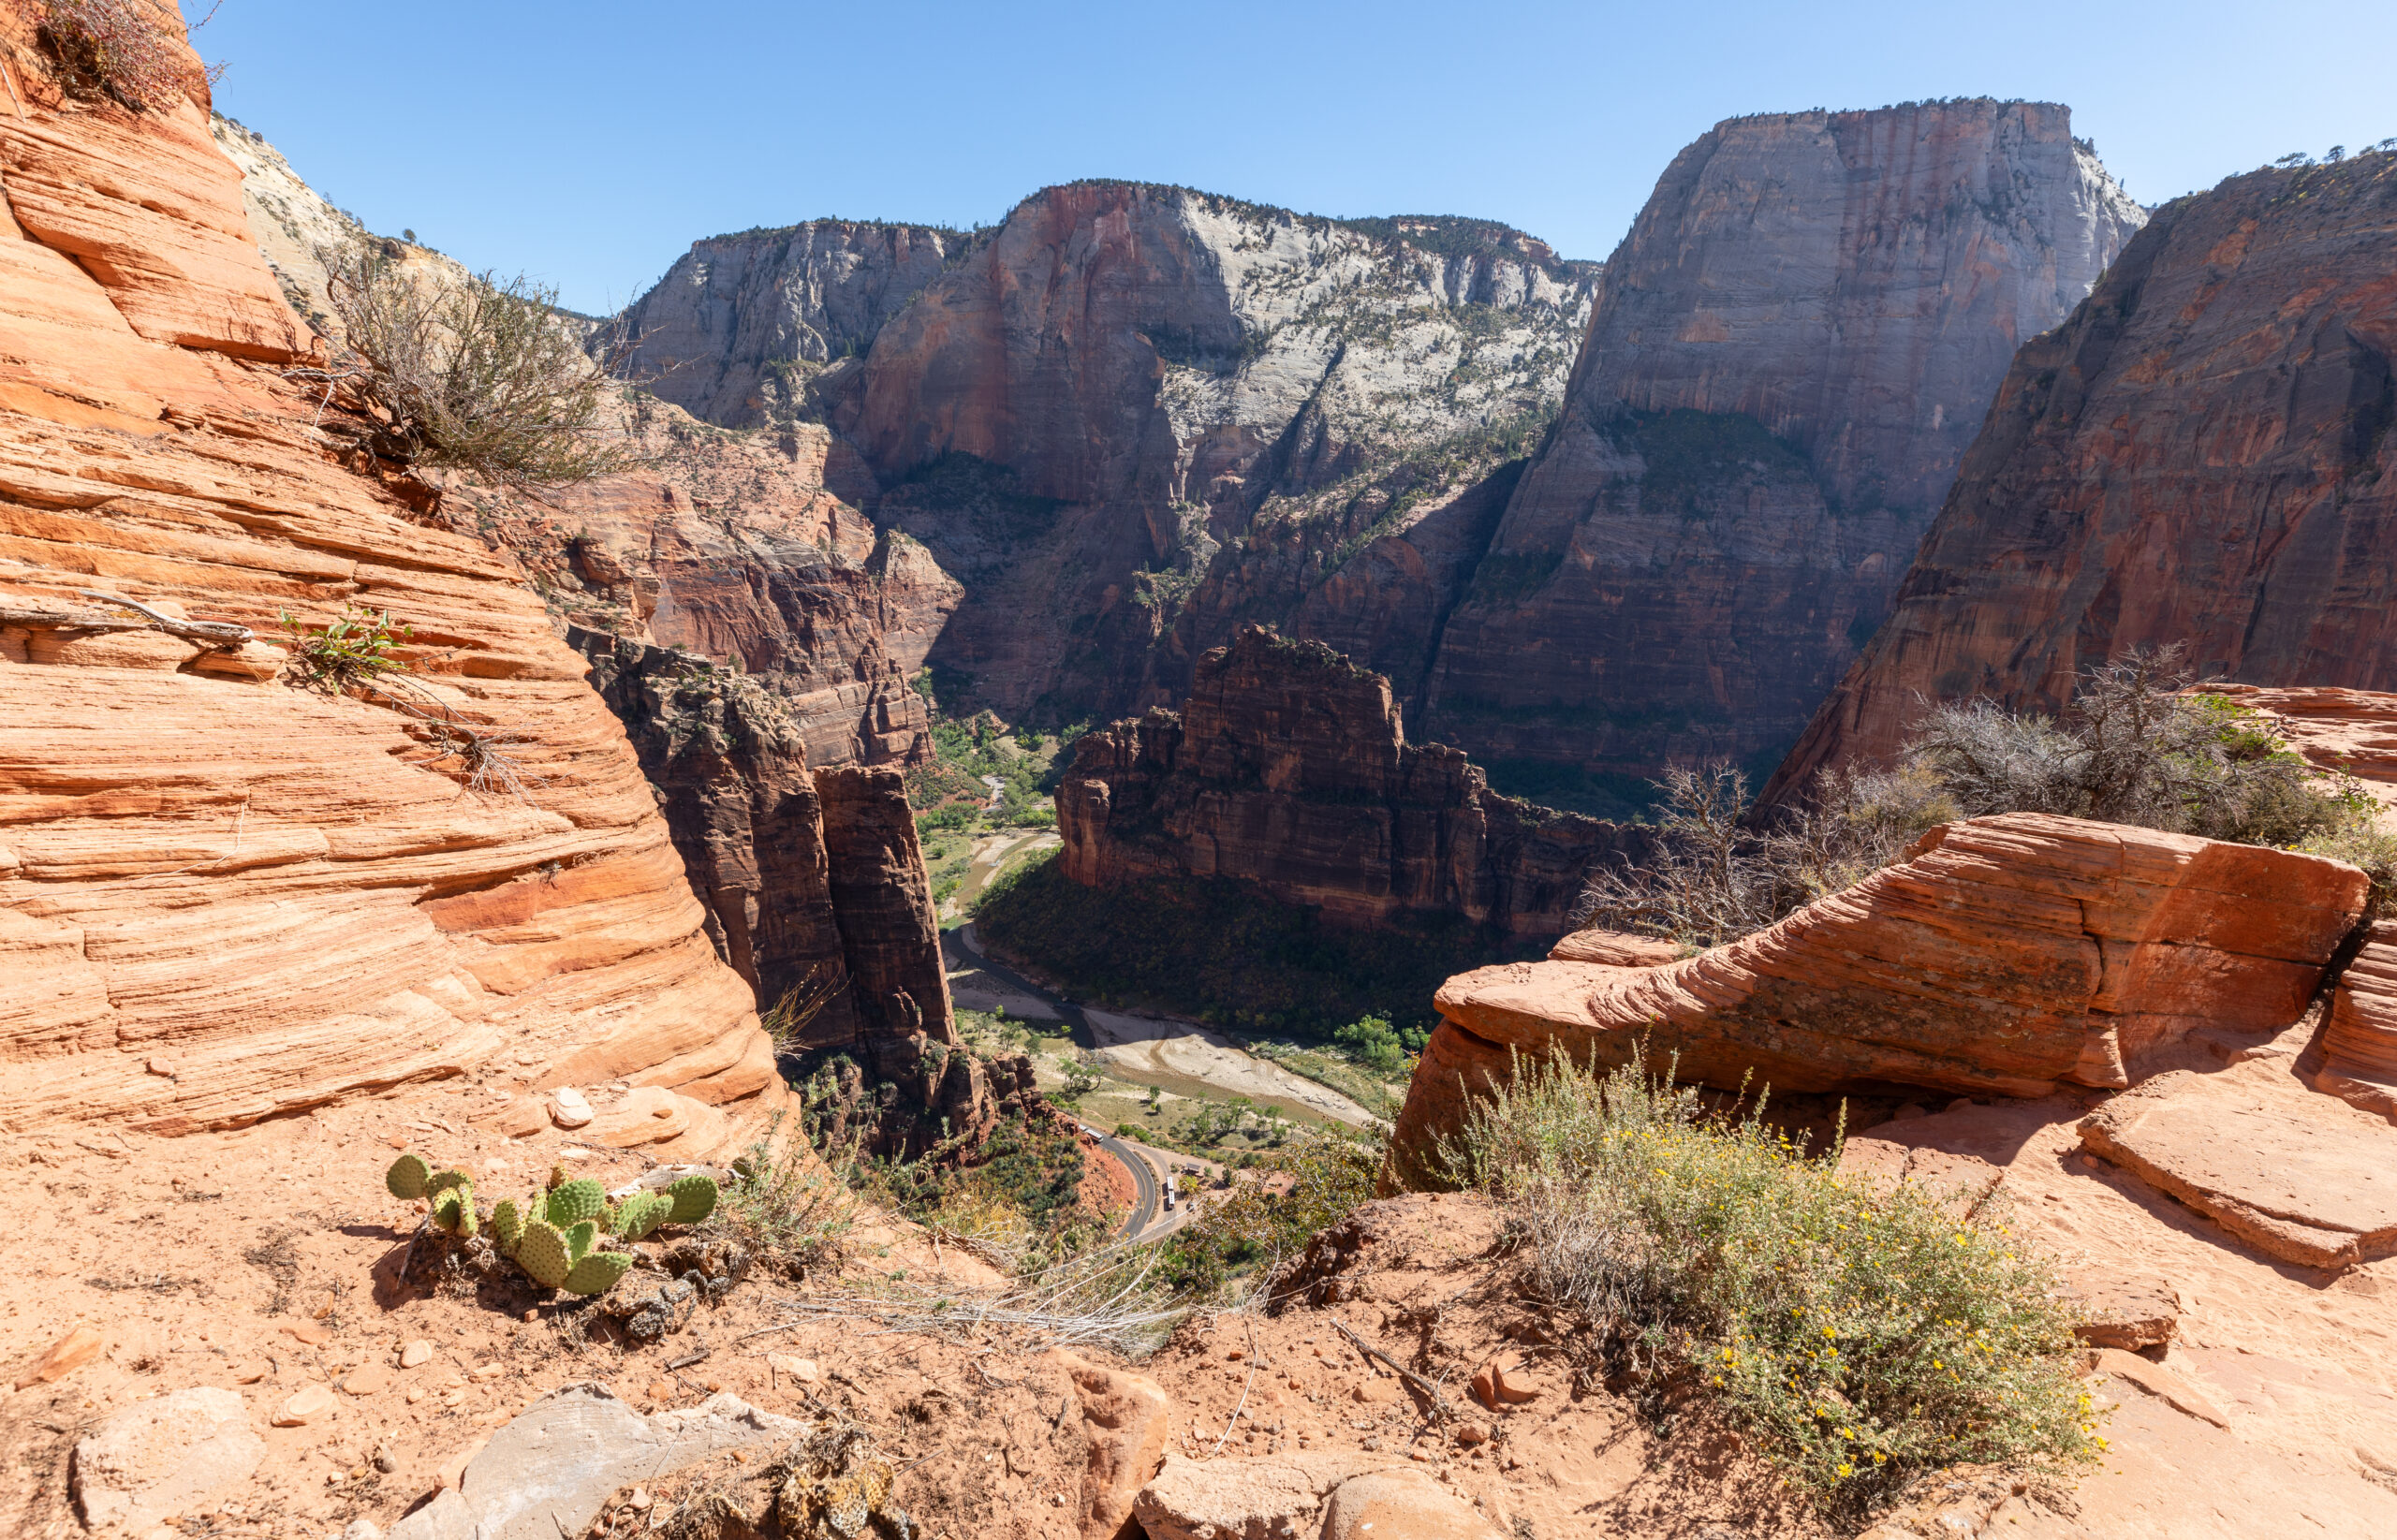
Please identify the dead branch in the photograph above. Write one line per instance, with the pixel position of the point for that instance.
(1439, 1402)
(215, 634)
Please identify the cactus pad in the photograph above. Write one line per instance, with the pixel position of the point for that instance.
(453, 1209)
(693, 1200)
(542, 1253)
(575, 1202)
(641, 1214)
(580, 1238)
(507, 1226)
(446, 1178)
(597, 1273)
(407, 1176)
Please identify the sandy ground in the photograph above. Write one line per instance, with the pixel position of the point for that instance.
(1142, 1048)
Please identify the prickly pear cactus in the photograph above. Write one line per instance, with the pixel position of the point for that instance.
(597, 1273)
(543, 1253)
(407, 1176)
(580, 1238)
(641, 1214)
(693, 1200)
(442, 1181)
(453, 1209)
(575, 1202)
(507, 1226)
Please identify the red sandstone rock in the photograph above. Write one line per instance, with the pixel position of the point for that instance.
(2299, 1177)
(1289, 768)
(289, 896)
(1616, 949)
(2359, 1045)
(2197, 456)
(2008, 955)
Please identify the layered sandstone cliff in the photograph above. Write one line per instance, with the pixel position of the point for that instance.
(1287, 768)
(1129, 393)
(2200, 454)
(2009, 956)
(1791, 350)
(742, 323)
(223, 897)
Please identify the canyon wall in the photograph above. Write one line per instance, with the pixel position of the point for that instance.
(1107, 404)
(2201, 455)
(1791, 350)
(741, 324)
(1289, 768)
(223, 897)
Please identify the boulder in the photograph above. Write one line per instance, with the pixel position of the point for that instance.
(156, 1458)
(1279, 1497)
(2120, 1310)
(2297, 1176)
(549, 1470)
(1128, 1420)
(1400, 1503)
(2007, 956)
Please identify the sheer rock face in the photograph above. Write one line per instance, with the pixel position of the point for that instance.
(741, 321)
(1791, 350)
(813, 879)
(1287, 768)
(222, 897)
(2200, 454)
(1090, 414)
(2009, 955)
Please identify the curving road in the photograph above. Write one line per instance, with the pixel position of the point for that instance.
(1145, 1177)
(1144, 1211)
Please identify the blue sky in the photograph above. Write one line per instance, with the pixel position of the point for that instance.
(590, 143)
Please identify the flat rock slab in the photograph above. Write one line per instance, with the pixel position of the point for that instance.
(2297, 1176)
(157, 1458)
(548, 1471)
(1278, 1497)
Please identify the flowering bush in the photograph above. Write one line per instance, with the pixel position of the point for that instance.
(1866, 1332)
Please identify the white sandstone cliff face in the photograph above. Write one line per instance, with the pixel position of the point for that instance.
(1791, 351)
(740, 322)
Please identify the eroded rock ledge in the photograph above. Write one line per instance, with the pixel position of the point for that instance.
(2007, 956)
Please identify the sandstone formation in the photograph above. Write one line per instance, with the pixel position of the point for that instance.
(2200, 455)
(740, 324)
(811, 879)
(225, 897)
(1127, 389)
(1792, 349)
(737, 545)
(2359, 1043)
(1289, 768)
(2297, 1176)
(2009, 955)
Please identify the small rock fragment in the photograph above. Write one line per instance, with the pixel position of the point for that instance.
(796, 1369)
(309, 1403)
(367, 1380)
(162, 1065)
(415, 1353)
(252, 1371)
(313, 1333)
(568, 1108)
(66, 1356)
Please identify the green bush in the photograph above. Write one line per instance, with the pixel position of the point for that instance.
(1374, 1042)
(1249, 1231)
(358, 645)
(1865, 1333)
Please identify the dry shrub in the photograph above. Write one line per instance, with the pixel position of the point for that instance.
(2136, 747)
(1865, 1334)
(123, 49)
(474, 372)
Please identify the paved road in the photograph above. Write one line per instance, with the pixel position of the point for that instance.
(1145, 1177)
(1144, 1211)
